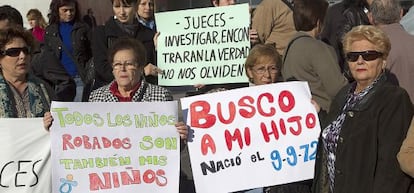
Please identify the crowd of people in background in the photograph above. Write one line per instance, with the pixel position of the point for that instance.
(356, 56)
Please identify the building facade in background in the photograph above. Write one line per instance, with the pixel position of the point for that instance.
(104, 10)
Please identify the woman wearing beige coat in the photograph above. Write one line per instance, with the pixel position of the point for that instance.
(406, 155)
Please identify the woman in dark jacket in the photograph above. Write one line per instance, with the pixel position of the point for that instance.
(366, 124)
(340, 18)
(68, 37)
(123, 24)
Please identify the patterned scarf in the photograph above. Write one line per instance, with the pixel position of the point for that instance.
(130, 29)
(331, 133)
(38, 98)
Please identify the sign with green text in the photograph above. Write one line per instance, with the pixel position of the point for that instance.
(115, 147)
(252, 137)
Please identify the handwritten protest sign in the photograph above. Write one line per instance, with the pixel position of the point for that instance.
(115, 147)
(25, 161)
(205, 46)
(252, 137)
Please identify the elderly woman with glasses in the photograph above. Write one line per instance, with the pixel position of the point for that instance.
(366, 125)
(127, 57)
(22, 95)
(263, 65)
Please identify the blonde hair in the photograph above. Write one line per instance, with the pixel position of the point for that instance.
(370, 33)
(262, 53)
(35, 14)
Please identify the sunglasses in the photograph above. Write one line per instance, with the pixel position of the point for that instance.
(14, 52)
(368, 55)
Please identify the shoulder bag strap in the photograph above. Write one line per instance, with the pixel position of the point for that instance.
(65, 49)
(288, 46)
(289, 3)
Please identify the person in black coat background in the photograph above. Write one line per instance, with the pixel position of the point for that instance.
(339, 19)
(122, 24)
(89, 19)
(69, 39)
(46, 66)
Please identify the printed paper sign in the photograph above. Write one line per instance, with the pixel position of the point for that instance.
(25, 161)
(252, 137)
(203, 46)
(115, 147)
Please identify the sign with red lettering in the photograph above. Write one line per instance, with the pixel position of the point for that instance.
(203, 46)
(115, 147)
(25, 156)
(252, 137)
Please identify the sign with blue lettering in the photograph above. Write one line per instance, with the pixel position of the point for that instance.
(253, 137)
(203, 46)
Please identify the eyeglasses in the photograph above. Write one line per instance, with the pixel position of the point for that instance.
(368, 55)
(14, 52)
(129, 65)
(262, 70)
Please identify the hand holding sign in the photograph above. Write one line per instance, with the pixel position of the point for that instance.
(268, 132)
(205, 46)
(117, 147)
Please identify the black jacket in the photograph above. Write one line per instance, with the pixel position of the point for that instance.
(46, 66)
(80, 42)
(368, 143)
(106, 35)
(338, 21)
(90, 20)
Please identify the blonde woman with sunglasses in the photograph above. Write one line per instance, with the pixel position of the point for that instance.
(367, 123)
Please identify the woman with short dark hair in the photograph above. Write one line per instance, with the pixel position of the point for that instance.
(22, 95)
(128, 58)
